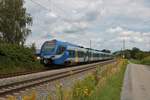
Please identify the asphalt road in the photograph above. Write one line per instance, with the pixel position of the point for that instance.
(136, 84)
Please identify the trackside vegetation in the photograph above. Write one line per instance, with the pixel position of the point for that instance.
(103, 84)
(135, 55)
(144, 61)
(15, 25)
(100, 85)
(16, 58)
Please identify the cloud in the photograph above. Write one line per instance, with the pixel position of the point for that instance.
(116, 29)
(79, 21)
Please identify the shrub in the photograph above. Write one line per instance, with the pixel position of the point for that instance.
(14, 58)
(146, 60)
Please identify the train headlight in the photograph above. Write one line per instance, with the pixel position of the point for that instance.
(45, 61)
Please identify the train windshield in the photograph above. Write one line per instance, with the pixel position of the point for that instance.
(48, 47)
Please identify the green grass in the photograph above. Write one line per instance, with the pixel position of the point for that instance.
(13, 67)
(112, 89)
(145, 61)
(100, 85)
(135, 61)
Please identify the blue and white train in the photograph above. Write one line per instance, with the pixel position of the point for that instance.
(64, 53)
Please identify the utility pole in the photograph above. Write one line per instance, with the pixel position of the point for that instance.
(90, 44)
(123, 53)
(90, 51)
(149, 43)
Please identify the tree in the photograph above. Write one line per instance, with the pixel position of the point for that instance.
(134, 52)
(139, 55)
(14, 21)
(33, 47)
(106, 51)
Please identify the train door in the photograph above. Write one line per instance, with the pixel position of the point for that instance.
(76, 56)
(86, 56)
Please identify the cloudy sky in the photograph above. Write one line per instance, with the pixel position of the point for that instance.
(105, 22)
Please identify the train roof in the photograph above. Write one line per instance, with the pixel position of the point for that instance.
(67, 43)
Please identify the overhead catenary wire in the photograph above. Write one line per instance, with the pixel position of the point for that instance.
(40, 5)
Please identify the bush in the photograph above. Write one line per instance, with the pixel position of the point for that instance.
(146, 60)
(15, 57)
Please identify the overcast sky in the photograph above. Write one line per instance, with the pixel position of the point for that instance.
(105, 22)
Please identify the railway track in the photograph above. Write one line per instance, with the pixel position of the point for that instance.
(9, 75)
(22, 84)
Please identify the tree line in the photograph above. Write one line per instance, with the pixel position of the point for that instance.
(134, 53)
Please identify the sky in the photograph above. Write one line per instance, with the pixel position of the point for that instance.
(105, 22)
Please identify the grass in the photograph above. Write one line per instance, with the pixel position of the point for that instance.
(144, 61)
(112, 88)
(101, 85)
(11, 67)
(135, 61)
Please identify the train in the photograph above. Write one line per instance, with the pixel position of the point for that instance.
(55, 52)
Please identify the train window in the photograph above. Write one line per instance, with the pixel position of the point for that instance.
(48, 46)
(81, 54)
(103, 55)
(71, 53)
(97, 55)
(60, 50)
(94, 54)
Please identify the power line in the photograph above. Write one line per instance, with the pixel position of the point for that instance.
(49, 10)
(40, 5)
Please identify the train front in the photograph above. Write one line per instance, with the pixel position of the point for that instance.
(53, 52)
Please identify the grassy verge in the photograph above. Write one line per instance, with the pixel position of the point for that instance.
(10, 68)
(112, 88)
(145, 61)
(135, 61)
(104, 84)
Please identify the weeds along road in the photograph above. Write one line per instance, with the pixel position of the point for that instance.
(15, 84)
(136, 83)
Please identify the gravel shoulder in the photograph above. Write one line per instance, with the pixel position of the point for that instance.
(136, 83)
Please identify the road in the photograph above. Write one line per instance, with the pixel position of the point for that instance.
(136, 84)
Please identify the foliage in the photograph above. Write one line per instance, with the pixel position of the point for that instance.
(106, 51)
(33, 47)
(104, 84)
(16, 58)
(146, 60)
(111, 90)
(135, 53)
(14, 21)
(83, 89)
